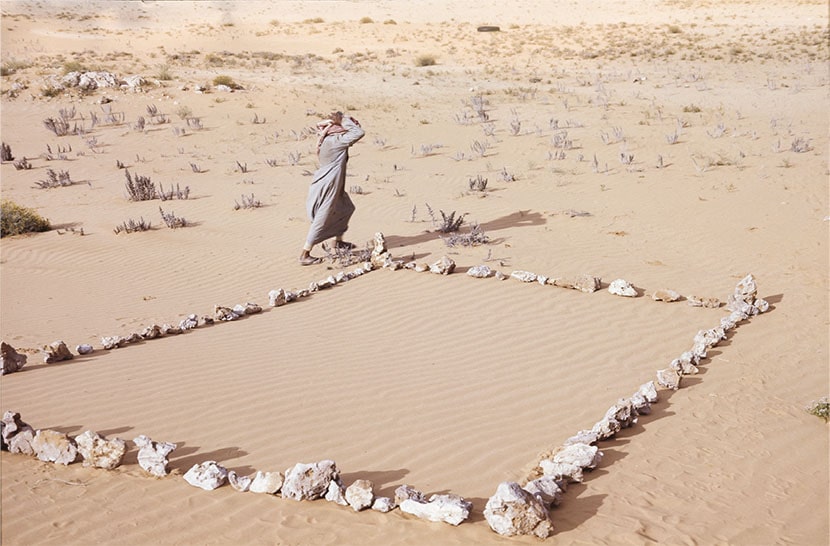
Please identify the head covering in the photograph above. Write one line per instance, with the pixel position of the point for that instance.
(325, 128)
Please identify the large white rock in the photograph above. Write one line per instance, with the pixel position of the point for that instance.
(266, 482)
(667, 295)
(450, 509)
(276, 298)
(524, 276)
(360, 495)
(152, 456)
(207, 475)
(10, 359)
(621, 287)
(669, 378)
(623, 412)
(583, 437)
(309, 481)
(513, 511)
(606, 428)
(561, 470)
(54, 447)
(649, 391)
(99, 452)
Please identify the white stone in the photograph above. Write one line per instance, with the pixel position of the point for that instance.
(99, 452)
(547, 489)
(444, 266)
(500, 276)
(207, 475)
(383, 504)
(582, 455)
(480, 272)
(152, 456)
(699, 301)
(16, 435)
(450, 509)
(621, 287)
(583, 437)
(11, 360)
(606, 428)
(336, 494)
(557, 470)
(649, 390)
(266, 482)
(669, 378)
(54, 447)
(640, 404)
(240, 483)
(583, 283)
(623, 412)
(513, 511)
(189, 322)
(276, 298)
(56, 352)
(151, 332)
(666, 295)
(225, 313)
(524, 276)
(404, 492)
(360, 495)
(309, 481)
(84, 349)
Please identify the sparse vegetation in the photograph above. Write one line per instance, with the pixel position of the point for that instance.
(425, 60)
(171, 220)
(820, 408)
(131, 226)
(16, 220)
(479, 183)
(6, 152)
(54, 179)
(248, 202)
(225, 80)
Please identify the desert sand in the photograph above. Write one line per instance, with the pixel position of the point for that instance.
(674, 144)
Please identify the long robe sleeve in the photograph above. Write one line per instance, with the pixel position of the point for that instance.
(328, 205)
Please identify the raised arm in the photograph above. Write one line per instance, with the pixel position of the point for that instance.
(353, 132)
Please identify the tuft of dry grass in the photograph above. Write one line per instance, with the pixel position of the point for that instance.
(425, 60)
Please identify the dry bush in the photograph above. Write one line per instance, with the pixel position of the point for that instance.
(15, 220)
(425, 60)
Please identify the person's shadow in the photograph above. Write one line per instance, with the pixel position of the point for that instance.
(520, 218)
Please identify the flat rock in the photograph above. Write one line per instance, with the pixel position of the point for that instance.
(700, 301)
(11, 360)
(666, 295)
(309, 481)
(621, 287)
(360, 495)
(208, 475)
(450, 509)
(524, 276)
(54, 447)
(480, 272)
(582, 455)
(152, 456)
(513, 511)
(99, 452)
(583, 283)
(583, 437)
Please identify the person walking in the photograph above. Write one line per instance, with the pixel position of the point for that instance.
(328, 205)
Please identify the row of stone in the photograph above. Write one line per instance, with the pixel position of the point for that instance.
(300, 482)
(516, 510)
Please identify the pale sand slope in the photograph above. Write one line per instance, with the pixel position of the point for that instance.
(450, 384)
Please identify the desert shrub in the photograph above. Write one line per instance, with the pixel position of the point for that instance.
(820, 408)
(10, 67)
(474, 238)
(425, 60)
(225, 80)
(172, 220)
(247, 203)
(164, 72)
(366, 20)
(50, 92)
(479, 183)
(131, 226)
(54, 179)
(140, 188)
(184, 112)
(6, 153)
(314, 20)
(15, 220)
(691, 109)
(74, 66)
(390, 22)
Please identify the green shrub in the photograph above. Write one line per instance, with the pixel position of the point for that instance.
(15, 220)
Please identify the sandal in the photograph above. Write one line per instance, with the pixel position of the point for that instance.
(311, 260)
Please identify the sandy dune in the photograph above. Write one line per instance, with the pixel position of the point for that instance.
(674, 144)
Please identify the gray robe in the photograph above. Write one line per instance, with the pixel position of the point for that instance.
(328, 205)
